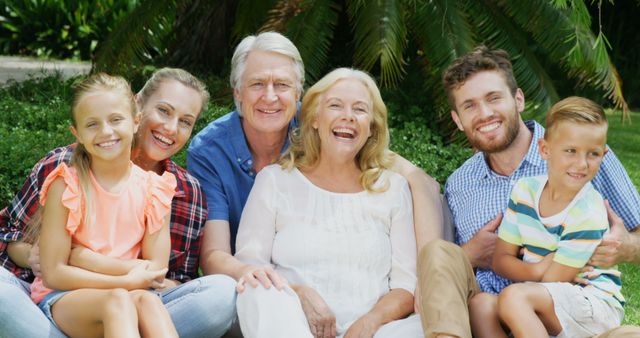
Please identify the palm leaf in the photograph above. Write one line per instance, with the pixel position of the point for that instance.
(570, 40)
(497, 30)
(281, 14)
(442, 32)
(208, 49)
(380, 34)
(133, 40)
(250, 16)
(311, 30)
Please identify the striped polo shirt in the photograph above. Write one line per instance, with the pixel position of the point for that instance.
(573, 234)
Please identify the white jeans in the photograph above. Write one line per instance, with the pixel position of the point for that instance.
(269, 313)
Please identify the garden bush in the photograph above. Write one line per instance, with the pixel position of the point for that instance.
(58, 28)
(34, 118)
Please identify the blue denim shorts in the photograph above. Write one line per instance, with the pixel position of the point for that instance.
(47, 302)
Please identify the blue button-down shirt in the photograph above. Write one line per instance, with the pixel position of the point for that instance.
(220, 158)
(476, 195)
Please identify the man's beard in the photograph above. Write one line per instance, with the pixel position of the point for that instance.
(496, 145)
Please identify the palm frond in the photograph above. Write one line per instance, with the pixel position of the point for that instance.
(497, 30)
(280, 15)
(442, 32)
(380, 34)
(250, 16)
(208, 49)
(133, 40)
(570, 40)
(311, 30)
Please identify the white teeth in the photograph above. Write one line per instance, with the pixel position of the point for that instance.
(343, 131)
(107, 144)
(163, 139)
(489, 127)
(269, 111)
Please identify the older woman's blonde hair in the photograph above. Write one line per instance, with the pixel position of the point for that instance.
(304, 148)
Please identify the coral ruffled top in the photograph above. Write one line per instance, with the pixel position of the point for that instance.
(119, 220)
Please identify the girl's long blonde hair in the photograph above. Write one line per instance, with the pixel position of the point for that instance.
(304, 148)
(81, 159)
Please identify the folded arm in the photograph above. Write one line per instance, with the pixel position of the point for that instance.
(507, 264)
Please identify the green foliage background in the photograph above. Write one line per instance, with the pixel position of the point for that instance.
(58, 28)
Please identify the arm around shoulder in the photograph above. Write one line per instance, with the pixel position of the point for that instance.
(427, 204)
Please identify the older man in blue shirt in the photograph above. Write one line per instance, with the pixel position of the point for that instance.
(486, 105)
(267, 76)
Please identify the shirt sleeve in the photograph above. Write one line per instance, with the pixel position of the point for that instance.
(613, 182)
(14, 217)
(583, 232)
(72, 198)
(403, 241)
(509, 230)
(160, 191)
(257, 229)
(201, 167)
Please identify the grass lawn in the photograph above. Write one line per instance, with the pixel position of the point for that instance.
(624, 140)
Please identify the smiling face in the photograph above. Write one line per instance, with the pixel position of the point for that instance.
(268, 94)
(487, 112)
(574, 152)
(168, 117)
(104, 124)
(343, 119)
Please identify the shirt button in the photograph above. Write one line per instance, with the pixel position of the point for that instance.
(239, 159)
(250, 162)
(251, 173)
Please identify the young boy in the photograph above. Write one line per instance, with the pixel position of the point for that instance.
(559, 220)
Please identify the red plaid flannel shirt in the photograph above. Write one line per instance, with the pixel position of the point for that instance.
(188, 215)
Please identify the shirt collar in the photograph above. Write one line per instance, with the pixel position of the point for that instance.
(531, 158)
(533, 155)
(239, 142)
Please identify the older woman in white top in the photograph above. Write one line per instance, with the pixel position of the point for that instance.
(334, 222)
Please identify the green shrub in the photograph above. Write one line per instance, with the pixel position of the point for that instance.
(20, 149)
(420, 145)
(58, 28)
(33, 120)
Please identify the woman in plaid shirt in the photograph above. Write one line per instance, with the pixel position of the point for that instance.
(170, 103)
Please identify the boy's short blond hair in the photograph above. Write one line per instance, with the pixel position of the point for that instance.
(577, 110)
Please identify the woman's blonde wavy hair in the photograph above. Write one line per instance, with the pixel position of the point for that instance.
(304, 148)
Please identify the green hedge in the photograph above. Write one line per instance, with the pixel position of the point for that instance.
(34, 119)
(58, 28)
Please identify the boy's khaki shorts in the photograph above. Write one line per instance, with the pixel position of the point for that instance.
(580, 312)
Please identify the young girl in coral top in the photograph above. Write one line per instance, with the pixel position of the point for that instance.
(104, 202)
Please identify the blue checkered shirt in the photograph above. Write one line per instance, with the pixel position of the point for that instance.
(476, 195)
